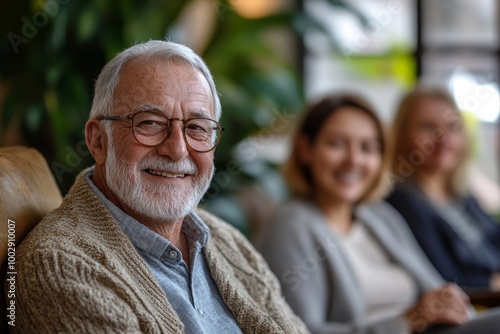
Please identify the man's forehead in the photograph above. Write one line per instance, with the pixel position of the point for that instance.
(195, 89)
(160, 82)
(142, 64)
(177, 72)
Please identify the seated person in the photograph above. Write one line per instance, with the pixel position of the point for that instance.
(127, 251)
(347, 262)
(430, 154)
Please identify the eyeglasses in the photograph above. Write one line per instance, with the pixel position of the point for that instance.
(153, 128)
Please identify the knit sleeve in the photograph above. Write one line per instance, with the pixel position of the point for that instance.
(61, 293)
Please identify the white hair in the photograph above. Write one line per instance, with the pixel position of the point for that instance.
(102, 105)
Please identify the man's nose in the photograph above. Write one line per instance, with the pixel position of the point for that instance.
(174, 146)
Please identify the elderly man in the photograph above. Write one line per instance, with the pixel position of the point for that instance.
(127, 251)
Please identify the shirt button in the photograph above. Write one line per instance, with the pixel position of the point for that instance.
(172, 254)
(201, 311)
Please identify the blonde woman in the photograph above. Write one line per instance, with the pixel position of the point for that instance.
(346, 261)
(431, 151)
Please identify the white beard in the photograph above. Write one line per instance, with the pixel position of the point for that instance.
(155, 200)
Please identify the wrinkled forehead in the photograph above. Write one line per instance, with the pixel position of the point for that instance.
(143, 72)
(153, 80)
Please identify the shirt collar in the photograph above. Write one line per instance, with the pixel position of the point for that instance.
(145, 239)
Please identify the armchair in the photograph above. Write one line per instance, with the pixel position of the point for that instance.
(28, 191)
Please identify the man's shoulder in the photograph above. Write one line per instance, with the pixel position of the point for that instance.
(56, 231)
(69, 229)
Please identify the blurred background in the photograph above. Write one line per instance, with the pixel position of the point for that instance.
(269, 59)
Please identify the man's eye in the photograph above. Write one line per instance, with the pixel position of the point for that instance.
(196, 127)
(150, 127)
(149, 123)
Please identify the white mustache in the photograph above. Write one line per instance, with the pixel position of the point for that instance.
(185, 166)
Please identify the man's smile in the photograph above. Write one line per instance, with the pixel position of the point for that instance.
(165, 173)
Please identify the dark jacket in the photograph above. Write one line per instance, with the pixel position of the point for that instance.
(446, 250)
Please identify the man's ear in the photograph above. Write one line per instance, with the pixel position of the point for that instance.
(303, 150)
(97, 140)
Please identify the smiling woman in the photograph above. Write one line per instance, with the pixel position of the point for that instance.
(431, 157)
(347, 261)
(344, 127)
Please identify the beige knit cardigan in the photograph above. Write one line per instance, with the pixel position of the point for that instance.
(77, 272)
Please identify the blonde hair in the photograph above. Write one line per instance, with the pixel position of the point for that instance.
(401, 146)
(298, 175)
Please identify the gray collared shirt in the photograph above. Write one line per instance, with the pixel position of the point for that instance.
(193, 294)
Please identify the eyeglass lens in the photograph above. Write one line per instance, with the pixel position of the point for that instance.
(152, 128)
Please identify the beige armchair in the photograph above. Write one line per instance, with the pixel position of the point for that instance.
(28, 192)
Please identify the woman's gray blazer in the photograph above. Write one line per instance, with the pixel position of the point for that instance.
(316, 276)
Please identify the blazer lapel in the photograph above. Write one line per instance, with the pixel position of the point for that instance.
(400, 247)
(383, 235)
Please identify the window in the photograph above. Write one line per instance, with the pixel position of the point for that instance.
(453, 43)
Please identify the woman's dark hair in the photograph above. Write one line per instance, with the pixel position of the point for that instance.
(318, 113)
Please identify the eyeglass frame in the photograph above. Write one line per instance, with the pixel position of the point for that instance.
(169, 132)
